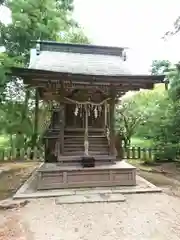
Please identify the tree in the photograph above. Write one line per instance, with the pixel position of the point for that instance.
(130, 113)
(154, 114)
(175, 30)
(2, 2)
(75, 35)
(160, 67)
(140, 114)
(162, 124)
(174, 84)
(5, 63)
(34, 20)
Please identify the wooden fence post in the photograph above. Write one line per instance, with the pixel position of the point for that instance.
(133, 153)
(150, 153)
(139, 153)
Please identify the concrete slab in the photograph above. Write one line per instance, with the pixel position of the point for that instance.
(44, 194)
(90, 198)
(93, 191)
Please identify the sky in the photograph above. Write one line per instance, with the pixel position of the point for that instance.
(136, 24)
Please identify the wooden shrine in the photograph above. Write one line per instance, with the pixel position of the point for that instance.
(82, 84)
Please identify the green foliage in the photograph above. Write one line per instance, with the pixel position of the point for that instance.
(129, 115)
(160, 67)
(2, 2)
(4, 142)
(5, 63)
(75, 35)
(167, 153)
(160, 113)
(31, 20)
(158, 107)
(174, 84)
(175, 30)
(141, 141)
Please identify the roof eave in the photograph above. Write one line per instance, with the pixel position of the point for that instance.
(29, 72)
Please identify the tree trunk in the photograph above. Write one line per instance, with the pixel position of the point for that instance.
(36, 120)
(125, 142)
(11, 141)
(25, 109)
(129, 141)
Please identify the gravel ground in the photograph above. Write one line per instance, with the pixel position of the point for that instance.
(141, 217)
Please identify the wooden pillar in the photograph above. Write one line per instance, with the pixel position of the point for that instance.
(86, 143)
(62, 124)
(36, 119)
(105, 115)
(112, 126)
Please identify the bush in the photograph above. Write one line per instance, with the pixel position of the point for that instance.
(168, 152)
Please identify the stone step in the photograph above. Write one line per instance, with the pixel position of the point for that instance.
(82, 139)
(82, 149)
(82, 136)
(98, 144)
(81, 153)
(77, 158)
(74, 144)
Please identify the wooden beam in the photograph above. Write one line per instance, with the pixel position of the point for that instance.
(22, 72)
(119, 87)
(108, 82)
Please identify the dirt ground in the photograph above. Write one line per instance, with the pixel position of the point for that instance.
(13, 176)
(166, 176)
(143, 216)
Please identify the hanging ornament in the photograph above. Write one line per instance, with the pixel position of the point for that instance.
(99, 109)
(76, 110)
(95, 112)
(81, 111)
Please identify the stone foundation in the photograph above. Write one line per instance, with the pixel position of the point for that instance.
(55, 176)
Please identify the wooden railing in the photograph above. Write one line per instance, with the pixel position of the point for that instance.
(107, 134)
(22, 154)
(38, 154)
(138, 153)
(149, 154)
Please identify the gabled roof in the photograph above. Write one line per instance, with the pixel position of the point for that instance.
(79, 59)
(77, 63)
(53, 62)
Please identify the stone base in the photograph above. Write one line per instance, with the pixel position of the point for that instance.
(55, 176)
(90, 198)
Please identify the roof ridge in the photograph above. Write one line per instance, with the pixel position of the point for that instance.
(79, 48)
